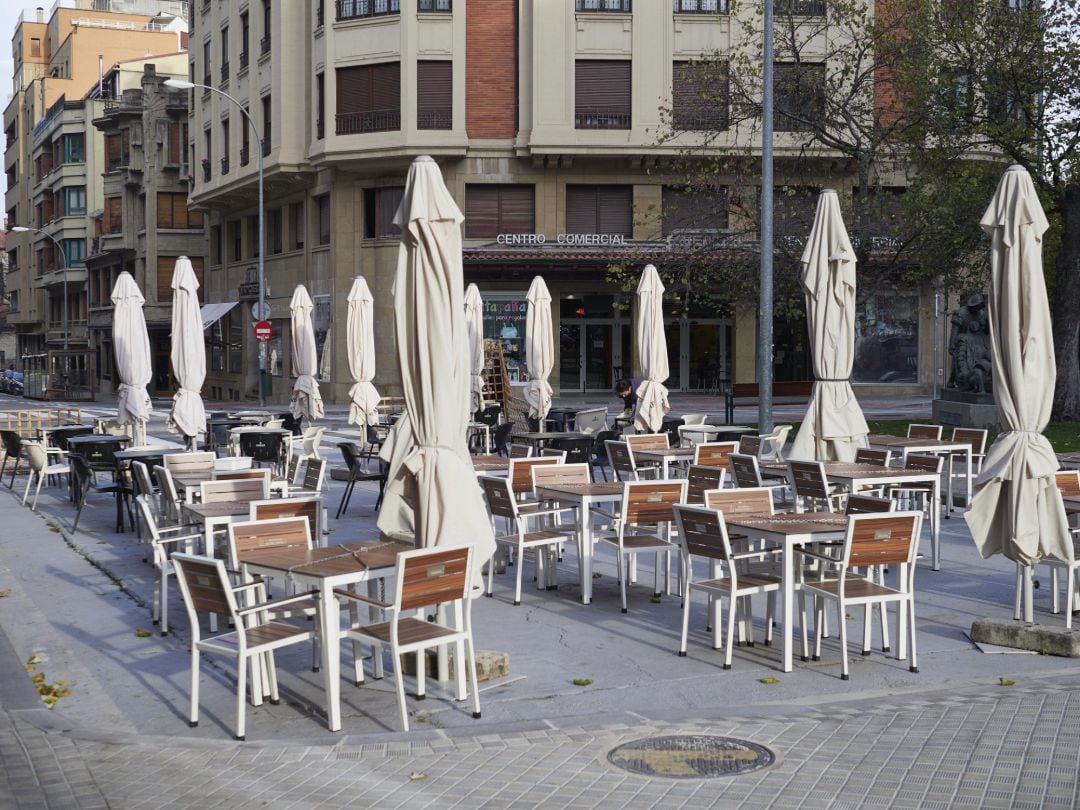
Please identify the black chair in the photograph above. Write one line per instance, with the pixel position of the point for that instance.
(488, 416)
(291, 423)
(82, 481)
(374, 436)
(671, 428)
(578, 451)
(352, 454)
(13, 449)
(264, 447)
(61, 435)
(534, 424)
(599, 450)
(500, 443)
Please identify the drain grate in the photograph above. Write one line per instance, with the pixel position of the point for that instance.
(691, 756)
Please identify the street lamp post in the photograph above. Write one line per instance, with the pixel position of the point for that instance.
(181, 84)
(63, 263)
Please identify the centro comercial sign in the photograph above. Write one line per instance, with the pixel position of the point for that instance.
(579, 239)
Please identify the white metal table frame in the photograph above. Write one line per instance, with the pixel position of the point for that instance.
(936, 447)
(665, 458)
(584, 502)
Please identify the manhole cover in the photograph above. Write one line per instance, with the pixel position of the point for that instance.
(691, 756)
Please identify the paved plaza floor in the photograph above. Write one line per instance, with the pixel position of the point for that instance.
(970, 729)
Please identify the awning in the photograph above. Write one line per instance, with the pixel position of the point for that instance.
(212, 313)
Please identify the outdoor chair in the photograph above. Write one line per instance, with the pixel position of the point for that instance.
(423, 578)
(163, 540)
(553, 452)
(750, 445)
(351, 453)
(915, 431)
(205, 586)
(170, 498)
(13, 452)
(307, 444)
(1068, 481)
(264, 448)
(293, 424)
(190, 464)
(308, 508)
(522, 538)
(41, 467)
(747, 473)
(772, 443)
(669, 428)
(644, 525)
(520, 473)
(811, 489)
(622, 461)
(312, 479)
(867, 455)
(142, 484)
(703, 535)
(274, 424)
(520, 451)
(591, 421)
(249, 489)
(915, 495)
(578, 451)
(868, 504)
(870, 542)
(648, 441)
(374, 436)
(599, 458)
(83, 483)
(700, 480)
(501, 439)
(976, 437)
(714, 454)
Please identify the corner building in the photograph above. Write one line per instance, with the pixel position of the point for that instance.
(544, 117)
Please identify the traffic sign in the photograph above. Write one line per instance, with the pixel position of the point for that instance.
(260, 311)
(263, 330)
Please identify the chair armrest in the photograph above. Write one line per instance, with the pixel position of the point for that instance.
(808, 553)
(753, 555)
(596, 510)
(273, 604)
(178, 538)
(361, 598)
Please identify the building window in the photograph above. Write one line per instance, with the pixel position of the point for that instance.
(215, 244)
(694, 210)
(322, 205)
(801, 8)
(320, 107)
(794, 208)
(165, 267)
(624, 6)
(356, 9)
(320, 322)
(73, 148)
(173, 213)
(264, 43)
(74, 200)
(600, 209)
(368, 98)
(114, 221)
(442, 6)
(493, 209)
(297, 218)
(237, 241)
(700, 96)
(117, 150)
(268, 125)
(886, 338)
(602, 91)
(177, 136)
(74, 252)
(434, 95)
(800, 96)
(225, 53)
(35, 46)
(380, 205)
(275, 225)
(245, 140)
(245, 38)
(253, 235)
(206, 65)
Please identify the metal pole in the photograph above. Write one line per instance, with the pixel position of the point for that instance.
(765, 298)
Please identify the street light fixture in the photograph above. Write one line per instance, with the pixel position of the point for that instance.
(63, 262)
(181, 84)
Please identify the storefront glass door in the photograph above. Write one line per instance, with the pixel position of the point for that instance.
(590, 355)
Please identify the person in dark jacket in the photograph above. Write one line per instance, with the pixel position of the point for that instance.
(626, 390)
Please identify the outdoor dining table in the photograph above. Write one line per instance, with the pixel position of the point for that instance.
(57, 436)
(666, 455)
(562, 418)
(1069, 461)
(323, 570)
(186, 483)
(491, 465)
(150, 456)
(1072, 503)
(583, 497)
(717, 432)
(789, 532)
(484, 429)
(854, 477)
(218, 514)
(540, 438)
(935, 447)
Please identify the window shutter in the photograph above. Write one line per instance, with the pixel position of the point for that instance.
(602, 84)
(615, 210)
(112, 150)
(173, 155)
(353, 89)
(481, 211)
(700, 96)
(179, 211)
(164, 210)
(197, 265)
(386, 86)
(165, 267)
(581, 209)
(434, 84)
(517, 209)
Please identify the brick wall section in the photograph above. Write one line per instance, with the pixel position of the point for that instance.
(490, 69)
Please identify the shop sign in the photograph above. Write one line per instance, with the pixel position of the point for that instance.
(577, 239)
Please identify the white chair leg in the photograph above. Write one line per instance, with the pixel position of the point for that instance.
(1070, 589)
(37, 492)
(459, 669)
(471, 658)
(685, 620)
(29, 481)
(1055, 587)
(241, 692)
(732, 611)
(163, 615)
(843, 641)
(520, 569)
(656, 574)
(271, 677)
(622, 579)
(421, 674)
(399, 678)
(911, 617)
(193, 713)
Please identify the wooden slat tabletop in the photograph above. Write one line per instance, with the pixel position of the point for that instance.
(662, 452)
(219, 509)
(1072, 503)
(794, 523)
(603, 488)
(330, 561)
(903, 441)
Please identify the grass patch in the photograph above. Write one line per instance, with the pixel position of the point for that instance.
(1063, 436)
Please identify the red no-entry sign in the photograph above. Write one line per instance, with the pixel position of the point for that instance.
(262, 330)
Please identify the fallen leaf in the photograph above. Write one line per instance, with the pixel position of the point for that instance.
(770, 680)
(30, 669)
(34, 659)
(1006, 682)
(597, 576)
(6, 592)
(416, 776)
(143, 634)
(655, 600)
(582, 681)
(38, 678)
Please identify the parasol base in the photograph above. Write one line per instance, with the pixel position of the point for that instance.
(1043, 639)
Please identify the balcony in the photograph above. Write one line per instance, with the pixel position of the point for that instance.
(599, 118)
(225, 72)
(354, 123)
(264, 45)
(208, 81)
(434, 118)
(206, 171)
(618, 6)
(224, 165)
(266, 146)
(700, 6)
(361, 9)
(243, 59)
(435, 6)
(320, 129)
(55, 277)
(245, 155)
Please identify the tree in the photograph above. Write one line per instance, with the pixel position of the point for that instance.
(993, 82)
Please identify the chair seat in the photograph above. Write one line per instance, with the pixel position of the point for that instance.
(538, 538)
(640, 542)
(855, 589)
(271, 634)
(410, 631)
(762, 582)
(56, 469)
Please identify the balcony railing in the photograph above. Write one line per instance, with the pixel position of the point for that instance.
(435, 118)
(320, 129)
(439, 6)
(622, 6)
(206, 172)
(373, 121)
(225, 72)
(245, 154)
(358, 9)
(266, 146)
(700, 6)
(599, 118)
(264, 45)
(801, 8)
(243, 59)
(224, 165)
(207, 80)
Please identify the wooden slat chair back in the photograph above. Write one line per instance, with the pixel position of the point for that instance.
(279, 508)
(244, 490)
(648, 441)
(189, 464)
(976, 437)
(521, 451)
(591, 420)
(622, 461)
(1068, 481)
(701, 479)
(293, 468)
(552, 474)
(749, 445)
(278, 532)
(744, 469)
(433, 578)
(553, 452)
(170, 497)
(521, 471)
(204, 583)
(714, 454)
(874, 540)
(868, 504)
(259, 474)
(810, 484)
(500, 497)
(923, 462)
(924, 431)
(703, 532)
(651, 502)
(739, 502)
(314, 474)
(868, 455)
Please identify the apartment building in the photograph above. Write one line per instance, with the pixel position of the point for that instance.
(54, 157)
(144, 223)
(544, 118)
